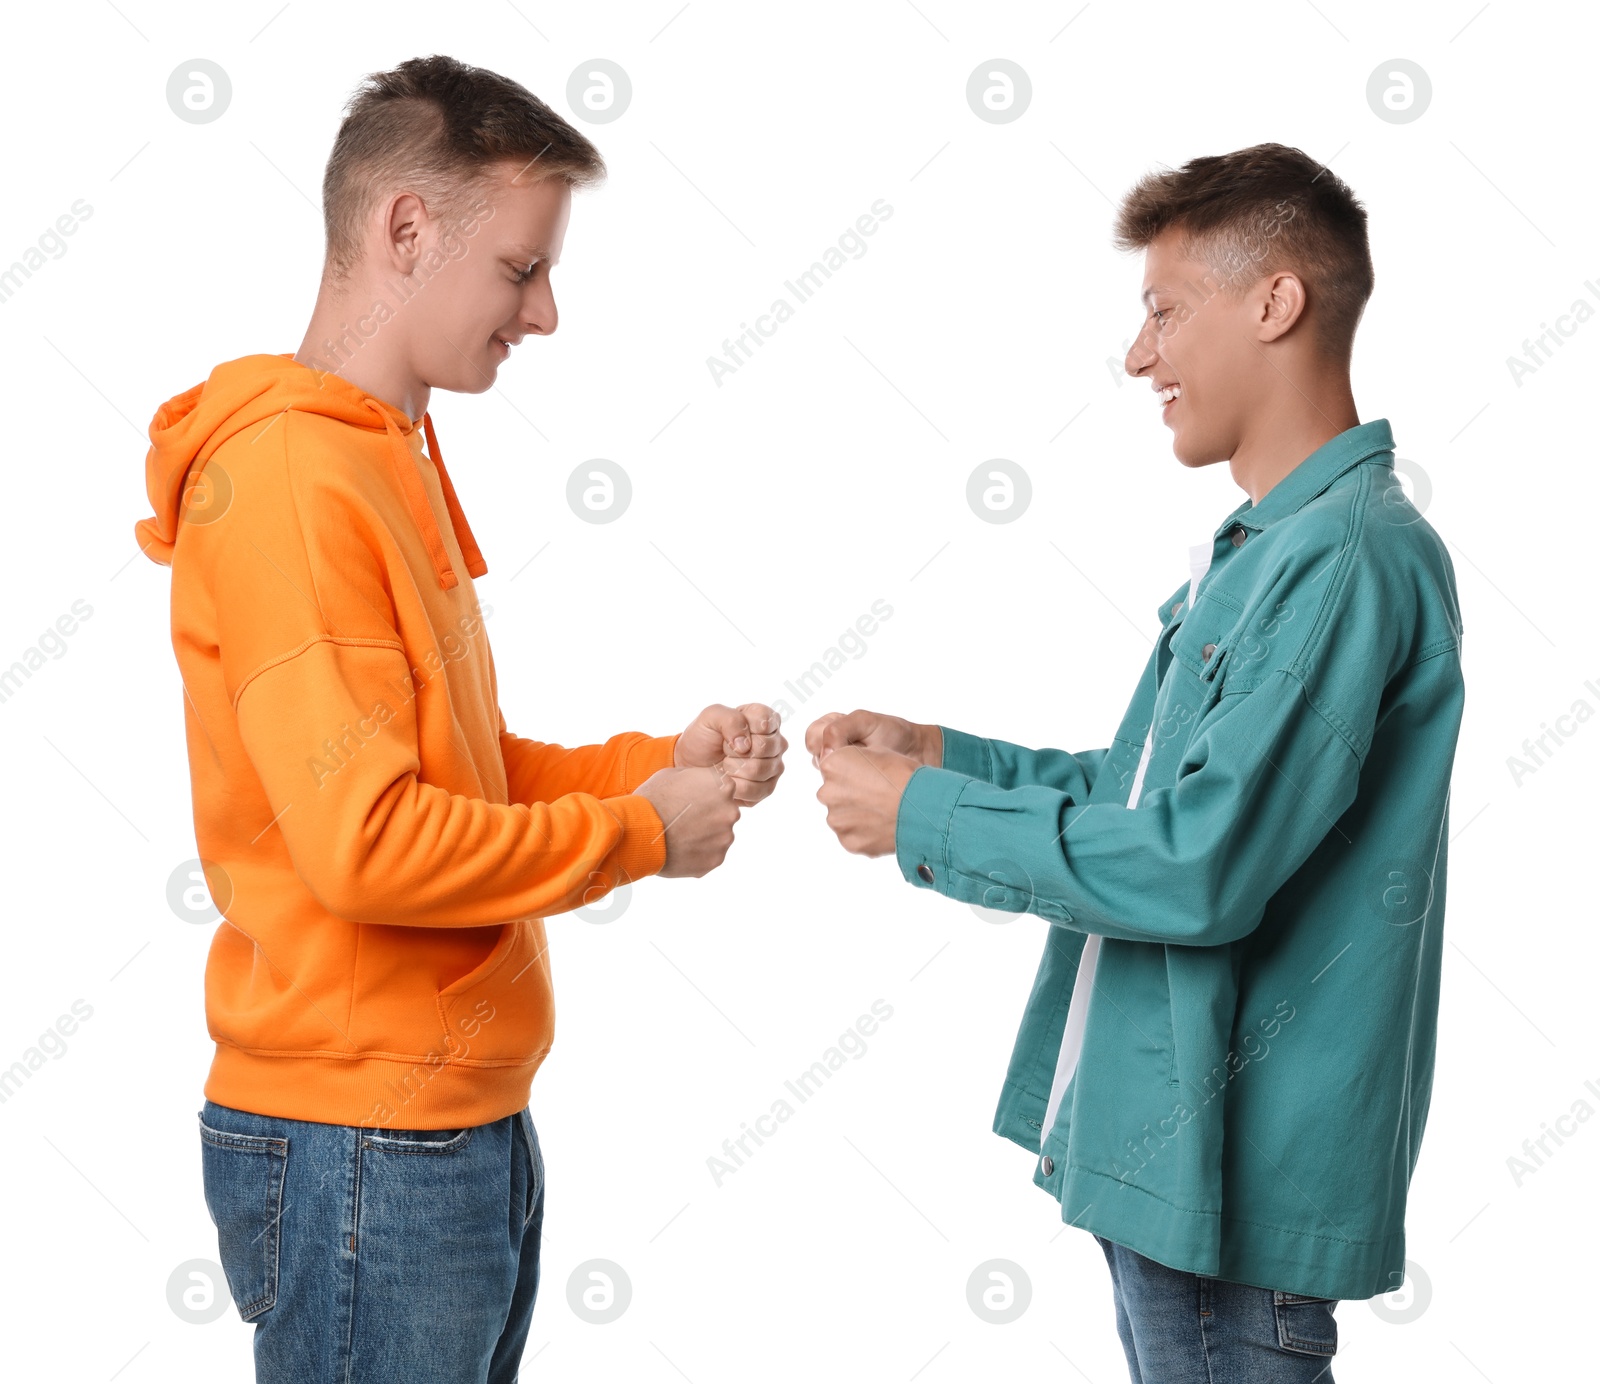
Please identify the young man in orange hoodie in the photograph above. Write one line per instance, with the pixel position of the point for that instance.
(382, 848)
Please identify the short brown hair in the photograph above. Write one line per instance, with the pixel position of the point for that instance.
(438, 127)
(1259, 209)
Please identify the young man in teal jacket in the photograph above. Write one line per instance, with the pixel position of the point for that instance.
(1224, 1067)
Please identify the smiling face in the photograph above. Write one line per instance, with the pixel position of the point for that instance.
(1202, 348)
(467, 318)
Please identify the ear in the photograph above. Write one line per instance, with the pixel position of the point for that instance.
(1282, 304)
(403, 216)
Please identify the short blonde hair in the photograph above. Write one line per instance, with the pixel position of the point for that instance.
(439, 128)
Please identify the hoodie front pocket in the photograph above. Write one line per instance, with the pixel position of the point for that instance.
(501, 1013)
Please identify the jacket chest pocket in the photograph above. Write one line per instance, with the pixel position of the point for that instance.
(1196, 674)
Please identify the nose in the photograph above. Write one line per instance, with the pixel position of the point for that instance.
(1142, 354)
(539, 314)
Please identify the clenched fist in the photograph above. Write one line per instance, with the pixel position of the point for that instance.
(742, 743)
(866, 761)
(834, 730)
(697, 810)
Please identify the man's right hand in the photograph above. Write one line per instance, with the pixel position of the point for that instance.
(697, 808)
(835, 730)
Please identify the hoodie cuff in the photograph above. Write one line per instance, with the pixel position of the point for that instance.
(642, 850)
(646, 756)
(922, 826)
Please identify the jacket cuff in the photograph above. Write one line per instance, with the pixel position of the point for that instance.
(922, 825)
(646, 756)
(643, 848)
(966, 754)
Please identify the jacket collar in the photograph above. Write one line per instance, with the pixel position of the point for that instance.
(1365, 442)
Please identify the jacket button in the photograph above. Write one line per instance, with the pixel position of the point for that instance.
(925, 873)
(1176, 607)
(1047, 1165)
(1208, 651)
(1237, 536)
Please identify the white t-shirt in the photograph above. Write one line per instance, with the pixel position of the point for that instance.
(1078, 1009)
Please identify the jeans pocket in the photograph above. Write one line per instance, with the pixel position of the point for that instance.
(1305, 1324)
(243, 1176)
(437, 1142)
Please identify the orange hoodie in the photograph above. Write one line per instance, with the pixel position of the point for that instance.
(383, 850)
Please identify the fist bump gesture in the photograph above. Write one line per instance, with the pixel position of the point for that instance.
(729, 758)
(866, 759)
(726, 758)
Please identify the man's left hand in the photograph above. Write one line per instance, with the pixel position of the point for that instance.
(742, 742)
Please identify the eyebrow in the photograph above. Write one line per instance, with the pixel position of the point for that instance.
(1152, 291)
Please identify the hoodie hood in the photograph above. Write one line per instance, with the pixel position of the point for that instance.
(252, 392)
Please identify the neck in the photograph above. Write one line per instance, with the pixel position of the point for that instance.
(1278, 438)
(373, 363)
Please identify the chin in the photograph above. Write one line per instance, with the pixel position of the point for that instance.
(1194, 455)
(461, 372)
(479, 381)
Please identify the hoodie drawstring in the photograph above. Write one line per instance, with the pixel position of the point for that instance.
(422, 511)
(476, 566)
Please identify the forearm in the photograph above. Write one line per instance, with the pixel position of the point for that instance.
(375, 843)
(1016, 766)
(1194, 864)
(538, 771)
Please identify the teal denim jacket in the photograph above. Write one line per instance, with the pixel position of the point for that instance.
(1258, 1053)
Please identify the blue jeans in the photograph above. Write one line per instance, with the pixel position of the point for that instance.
(1182, 1328)
(377, 1256)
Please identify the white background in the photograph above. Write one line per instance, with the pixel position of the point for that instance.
(768, 514)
